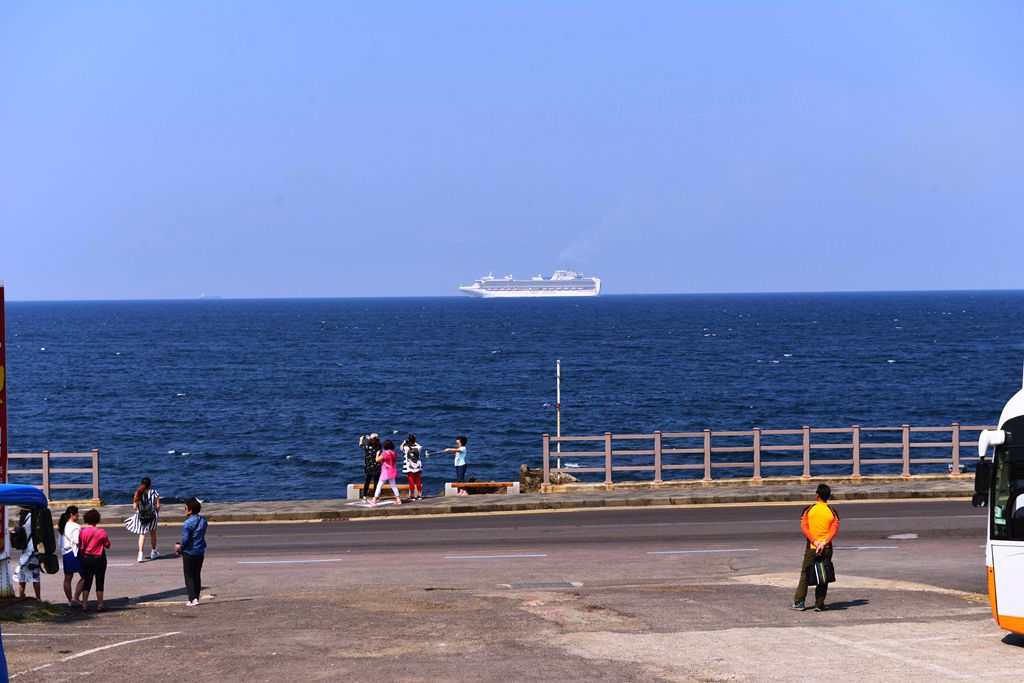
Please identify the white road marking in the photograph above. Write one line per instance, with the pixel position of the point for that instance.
(697, 552)
(902, 658)
(342, 529)
(902, 537)
(488, 557)
(92, 634)
(97, 649)
(28, 671)
(121, 564)
(867, 547)
(123, 642)
(332, 559)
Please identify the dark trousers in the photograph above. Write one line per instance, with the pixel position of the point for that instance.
(193, 567)
(810, 557)
(371, 480)
(94, 566)
(460, 473)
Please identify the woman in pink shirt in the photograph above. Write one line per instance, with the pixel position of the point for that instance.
(92, 544)
(388, 472)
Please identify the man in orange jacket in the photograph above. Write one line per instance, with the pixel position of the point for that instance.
(820, 524)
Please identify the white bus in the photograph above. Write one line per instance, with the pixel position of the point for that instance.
(999, 485)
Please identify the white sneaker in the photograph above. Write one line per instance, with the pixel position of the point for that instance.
(140, 557)
(192, 603)
(154, 554)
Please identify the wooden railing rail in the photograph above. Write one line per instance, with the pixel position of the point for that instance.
(753, 456)
(54, 477)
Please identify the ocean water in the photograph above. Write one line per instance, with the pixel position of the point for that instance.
(265, 399)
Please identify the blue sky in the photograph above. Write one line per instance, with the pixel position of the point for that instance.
(249, 149)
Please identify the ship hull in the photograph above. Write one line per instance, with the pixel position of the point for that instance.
(531, 294)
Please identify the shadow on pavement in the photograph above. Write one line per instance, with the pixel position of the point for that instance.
(846, 605)
(178, 593)
(1015, 639)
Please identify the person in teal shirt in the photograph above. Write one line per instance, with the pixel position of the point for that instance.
(460, 460)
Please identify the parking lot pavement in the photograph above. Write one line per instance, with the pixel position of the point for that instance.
(629, 597)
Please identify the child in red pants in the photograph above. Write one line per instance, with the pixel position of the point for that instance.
(413, 466)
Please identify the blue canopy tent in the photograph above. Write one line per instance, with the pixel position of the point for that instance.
(20, 494)
(25, 496)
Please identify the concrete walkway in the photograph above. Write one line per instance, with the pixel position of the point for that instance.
(629, 495)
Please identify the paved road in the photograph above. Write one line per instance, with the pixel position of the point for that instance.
(647, 594)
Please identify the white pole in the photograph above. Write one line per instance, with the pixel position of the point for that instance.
(558, 410)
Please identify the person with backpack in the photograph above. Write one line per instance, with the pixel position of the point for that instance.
(28, 564)
(388, 472)
(820, 524)
(412, 467)
(146, 502)
(192, 549)
(93, 543)
(69, 530)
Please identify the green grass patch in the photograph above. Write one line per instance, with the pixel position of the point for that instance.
(47, 610)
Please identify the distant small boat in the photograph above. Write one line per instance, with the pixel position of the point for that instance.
(561, 283)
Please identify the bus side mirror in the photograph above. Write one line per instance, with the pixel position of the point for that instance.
(982, 476)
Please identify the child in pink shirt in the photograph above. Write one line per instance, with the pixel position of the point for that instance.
(388, 472)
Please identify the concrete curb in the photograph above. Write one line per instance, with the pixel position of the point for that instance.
(326, 510)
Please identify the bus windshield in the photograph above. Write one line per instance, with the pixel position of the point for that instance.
(1008, 494)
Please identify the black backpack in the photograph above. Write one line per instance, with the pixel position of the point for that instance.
(49, 563)
(42, 532)
(19, 539)
(146, 512)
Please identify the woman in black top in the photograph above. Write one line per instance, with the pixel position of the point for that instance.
(371, 449)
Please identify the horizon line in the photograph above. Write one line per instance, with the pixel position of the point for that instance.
(213, 299)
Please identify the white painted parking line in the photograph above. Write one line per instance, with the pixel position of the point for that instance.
(95, 650)
(701, 552)
(867, 547)
(92, 634)
(121, 564)
(123, 642)
(489, 557)
(332, 559)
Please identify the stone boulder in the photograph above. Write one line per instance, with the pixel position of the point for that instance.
(530, 479)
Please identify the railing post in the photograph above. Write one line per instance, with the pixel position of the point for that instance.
(757, 453)
(657, 456)
(906, 450)
(46, 474)
(956, 450)
(856, 450)
(608, 459)
(707, 455)
(96, 475)
(546, 482)
(807, 453)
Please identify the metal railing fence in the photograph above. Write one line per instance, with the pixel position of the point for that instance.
(753, 450)
(58, 477)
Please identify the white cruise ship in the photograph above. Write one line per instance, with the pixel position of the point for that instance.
(562, 283)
